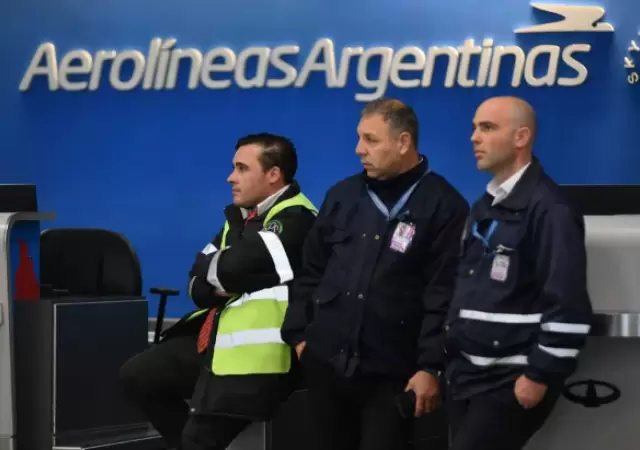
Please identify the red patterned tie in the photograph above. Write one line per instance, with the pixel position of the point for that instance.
(207, 326)
(205, 331)
(251, 215)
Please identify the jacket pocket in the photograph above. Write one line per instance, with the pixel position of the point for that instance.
(509, 234)
(323, 297)
(493, 339)
(328, 330)
(340, 264)
(405, 311)
(340, 240)
(396, 319)
(337, 235)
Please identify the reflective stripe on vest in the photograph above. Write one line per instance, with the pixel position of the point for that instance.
(195, 314)
(248, 336)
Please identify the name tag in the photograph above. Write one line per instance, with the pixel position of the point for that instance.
(500, 268)
(402, 237)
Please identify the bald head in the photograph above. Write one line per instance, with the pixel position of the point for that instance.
(516, 110)
(504, 131)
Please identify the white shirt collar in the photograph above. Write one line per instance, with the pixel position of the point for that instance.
(500, 192)
(265, 204)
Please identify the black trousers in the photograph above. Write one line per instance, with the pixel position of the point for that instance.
(356, 413)
(160, 380)
(495, 420)
(208, 432)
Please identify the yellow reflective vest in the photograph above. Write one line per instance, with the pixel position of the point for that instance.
(247, 339)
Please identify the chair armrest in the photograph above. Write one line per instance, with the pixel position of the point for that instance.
(163, 293)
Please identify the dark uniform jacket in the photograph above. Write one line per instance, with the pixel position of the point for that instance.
(246, 265)
(521, 304)
(364, 306)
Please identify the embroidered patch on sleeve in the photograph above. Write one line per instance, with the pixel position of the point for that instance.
(275, 226)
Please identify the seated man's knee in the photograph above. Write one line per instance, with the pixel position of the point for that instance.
(133, 376)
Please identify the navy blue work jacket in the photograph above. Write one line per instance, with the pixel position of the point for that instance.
(521, 304)
(362, 303)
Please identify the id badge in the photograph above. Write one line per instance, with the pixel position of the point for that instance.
(500, 268)
(402, 236)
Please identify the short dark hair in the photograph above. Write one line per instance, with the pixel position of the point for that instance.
(277, 151)
(400, 116)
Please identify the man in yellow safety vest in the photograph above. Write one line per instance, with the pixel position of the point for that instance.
(228, 358)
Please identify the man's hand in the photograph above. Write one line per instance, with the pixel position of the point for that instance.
(300, 348)
(224, 294)
(427, 389)
(528, 392)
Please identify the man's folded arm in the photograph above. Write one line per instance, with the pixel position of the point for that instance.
(265, 259)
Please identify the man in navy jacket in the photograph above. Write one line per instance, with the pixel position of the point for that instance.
(367, 311)
(521, 312)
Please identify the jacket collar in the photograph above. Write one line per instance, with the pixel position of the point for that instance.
(236, 214)
(266, 204)
(522, 192)
(502, 190)
(423, 166)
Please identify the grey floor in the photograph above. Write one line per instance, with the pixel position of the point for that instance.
(615, 426)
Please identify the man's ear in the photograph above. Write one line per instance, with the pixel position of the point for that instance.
(274, 174)
(405, 142)
(523, 137)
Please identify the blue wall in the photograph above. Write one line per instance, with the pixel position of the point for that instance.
(152, 164)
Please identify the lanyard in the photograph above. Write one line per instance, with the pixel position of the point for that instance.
(391, 215)
(485, 239)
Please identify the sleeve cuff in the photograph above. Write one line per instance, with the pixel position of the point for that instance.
(293, 341)
(435, 372)
(542, 377)
(210, 248)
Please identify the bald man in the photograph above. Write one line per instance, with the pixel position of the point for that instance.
(520, 313)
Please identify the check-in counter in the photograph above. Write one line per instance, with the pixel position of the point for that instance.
(60, 356)
(601, 405)
(19, 238)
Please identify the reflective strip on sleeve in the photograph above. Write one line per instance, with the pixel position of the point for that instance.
(560, 352)
(212, 274)
(278, 255)
(563, 327)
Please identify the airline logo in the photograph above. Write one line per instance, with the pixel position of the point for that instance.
(161, 66)
(575, 18)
